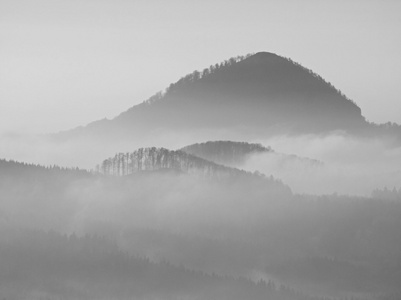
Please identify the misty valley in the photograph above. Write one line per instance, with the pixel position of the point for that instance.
(252, 179)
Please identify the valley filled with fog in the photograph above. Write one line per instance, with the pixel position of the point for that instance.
(252, 179)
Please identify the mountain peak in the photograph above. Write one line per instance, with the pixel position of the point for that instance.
(259, 90)
(253, 93)
(265, 57)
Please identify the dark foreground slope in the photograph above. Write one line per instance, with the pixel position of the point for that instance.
(37, 265)
(232, 227)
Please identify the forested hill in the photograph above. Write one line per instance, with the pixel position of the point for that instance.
(253, 92)
(158, 159)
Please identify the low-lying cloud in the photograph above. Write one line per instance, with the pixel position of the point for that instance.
(349, 165)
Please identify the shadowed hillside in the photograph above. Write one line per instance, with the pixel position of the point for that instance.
(38, 265)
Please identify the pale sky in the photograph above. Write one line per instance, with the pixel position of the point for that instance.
(65, 63)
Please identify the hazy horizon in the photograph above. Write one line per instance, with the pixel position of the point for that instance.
(68, 63)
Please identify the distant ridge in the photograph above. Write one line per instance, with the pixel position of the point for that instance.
(235, 154)
(227, 153)
(16, 169)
